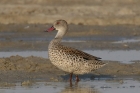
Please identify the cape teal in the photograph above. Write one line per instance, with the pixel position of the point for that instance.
(67, 58)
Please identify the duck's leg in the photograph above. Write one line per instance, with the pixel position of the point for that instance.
(71, 77)
(77, 78)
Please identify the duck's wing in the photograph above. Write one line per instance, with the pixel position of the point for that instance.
(78, 53)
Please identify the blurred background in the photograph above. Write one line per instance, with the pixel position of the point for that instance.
(87, 12)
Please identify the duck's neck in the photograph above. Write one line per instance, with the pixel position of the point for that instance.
(61, 32)
(60, 35)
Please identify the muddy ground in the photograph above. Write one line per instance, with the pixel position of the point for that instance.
(20, 69)
(96, 24)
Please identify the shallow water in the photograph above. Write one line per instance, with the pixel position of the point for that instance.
(96, 86)
(118, 55)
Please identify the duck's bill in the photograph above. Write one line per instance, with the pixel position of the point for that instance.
(50, 29)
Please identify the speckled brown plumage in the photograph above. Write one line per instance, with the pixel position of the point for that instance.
(69, 59)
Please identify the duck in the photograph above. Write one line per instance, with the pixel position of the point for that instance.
(70, 59)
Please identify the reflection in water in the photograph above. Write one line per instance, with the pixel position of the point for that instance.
(80, 90)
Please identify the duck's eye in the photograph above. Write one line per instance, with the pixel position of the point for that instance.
(58, 23)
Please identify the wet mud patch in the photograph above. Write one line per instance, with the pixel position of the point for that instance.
(17, 68)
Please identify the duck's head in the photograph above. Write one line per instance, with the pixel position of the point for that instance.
(59, 25)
